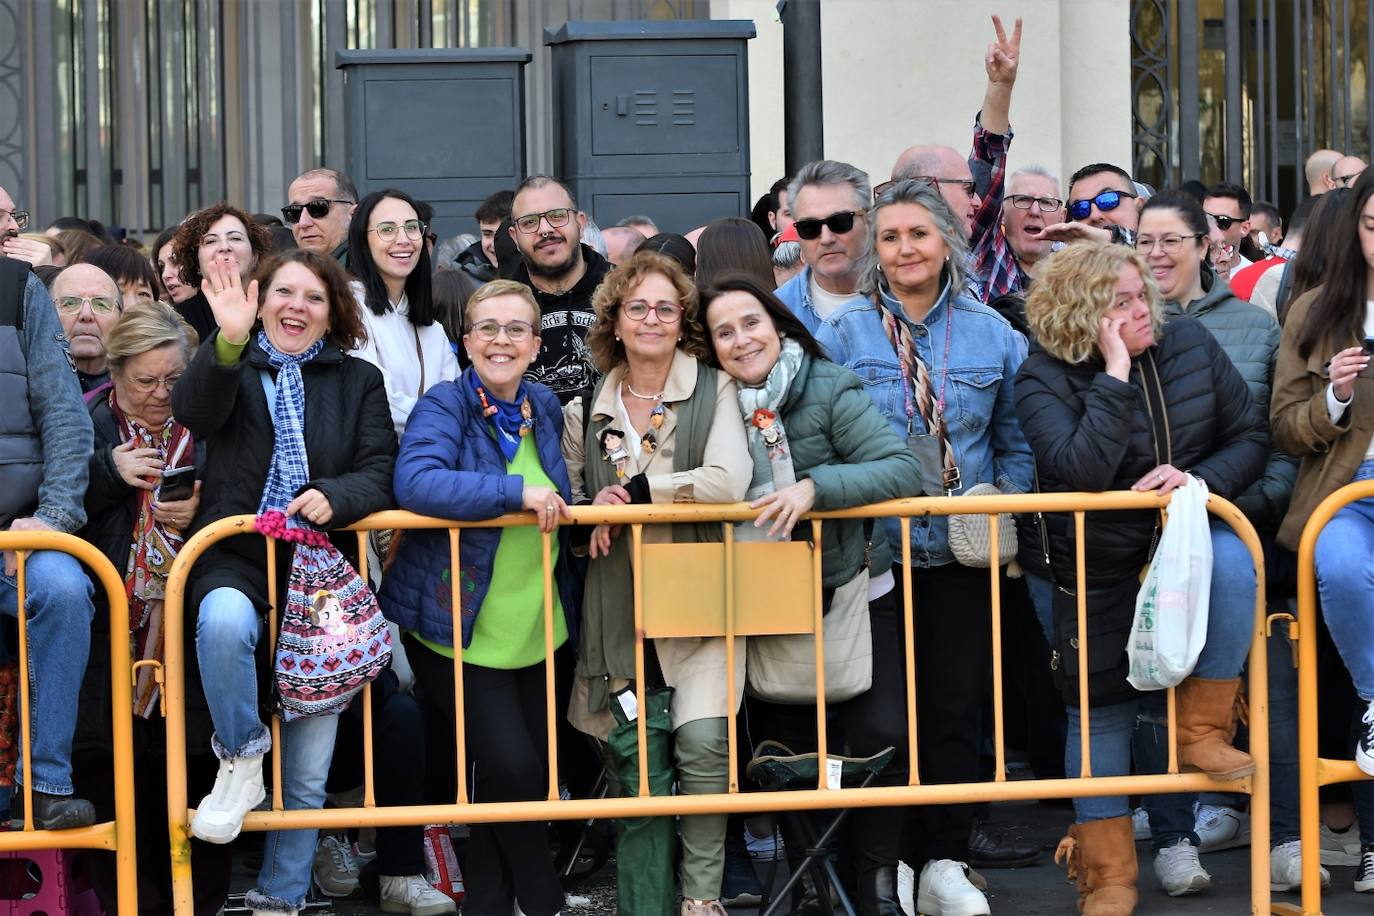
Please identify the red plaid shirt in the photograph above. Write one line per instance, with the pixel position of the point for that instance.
(994, 264)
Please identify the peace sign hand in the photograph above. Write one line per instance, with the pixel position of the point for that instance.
(1003, 56)
(235, 309)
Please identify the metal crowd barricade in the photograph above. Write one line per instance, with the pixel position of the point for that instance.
(115, 836)
(711, 590)
(1314, 770)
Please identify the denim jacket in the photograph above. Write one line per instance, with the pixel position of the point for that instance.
(796, 295)
(63, 425)
(984, 354)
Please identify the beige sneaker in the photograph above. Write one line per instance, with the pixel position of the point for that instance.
(692, 907)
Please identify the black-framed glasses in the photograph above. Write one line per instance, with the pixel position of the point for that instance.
(557, 218)
(387, 231)
(1172, 244)
(1024, 202)
(1105, 201)
(101, 305)
(638, 310)
(1342, 181)
(967, 185)
(838, 223)
(21, 217)
(1223, 221)
(516, 331)
(317, 208)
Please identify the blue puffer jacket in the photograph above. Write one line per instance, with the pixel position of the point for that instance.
(451, 467)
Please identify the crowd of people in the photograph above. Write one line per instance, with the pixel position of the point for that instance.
(954, 329)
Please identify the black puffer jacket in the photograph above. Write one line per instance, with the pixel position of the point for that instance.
(1092, 432)
(349, 440)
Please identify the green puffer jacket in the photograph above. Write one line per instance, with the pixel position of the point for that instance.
(845, 446)
(1250, 337)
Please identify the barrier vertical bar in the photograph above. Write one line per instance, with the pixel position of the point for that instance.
(174, 691)
(369, 796)
(731, 730)
(909, 627)
(25, 717)
(995, 571)
(642, 709)
(550, 684)
(1081, 589)
(1309, 763)
(818, 625)
(455, 577)
(121, 698)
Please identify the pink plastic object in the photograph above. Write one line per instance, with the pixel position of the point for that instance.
(22, 895)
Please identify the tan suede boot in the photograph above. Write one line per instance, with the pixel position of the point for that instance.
(1206, 726)
(1101, 856)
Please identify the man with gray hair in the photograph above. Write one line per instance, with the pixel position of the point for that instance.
(1011, 251)
(320, 204)
(830, 202)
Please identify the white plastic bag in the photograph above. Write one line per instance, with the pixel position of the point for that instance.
(1170, 625)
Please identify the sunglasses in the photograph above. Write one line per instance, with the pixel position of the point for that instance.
(1223, 221)
(967, 185)
(838, 223)
(317, 208)
(1105, 203)
(21, 217)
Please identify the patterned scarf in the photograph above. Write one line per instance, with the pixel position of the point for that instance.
(512, 420)
(758, 406)
(151, 552)
(290, 469)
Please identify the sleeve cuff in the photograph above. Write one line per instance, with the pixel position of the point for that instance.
(1335, 407)
(226, 353)
(515, 492)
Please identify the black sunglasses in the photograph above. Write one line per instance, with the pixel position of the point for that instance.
(1105, 201)
(1223, 221)
(838, 223)
(317, 208)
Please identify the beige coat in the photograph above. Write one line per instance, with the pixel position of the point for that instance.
(1302, 427)
(695, 668)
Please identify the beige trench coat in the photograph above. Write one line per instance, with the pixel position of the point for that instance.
(695, 668)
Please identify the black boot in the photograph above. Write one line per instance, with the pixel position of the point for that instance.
(878, 892)
(54, 812)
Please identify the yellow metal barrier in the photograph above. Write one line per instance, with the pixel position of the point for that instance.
(1315, 771)
(115, 836)
(657, 620)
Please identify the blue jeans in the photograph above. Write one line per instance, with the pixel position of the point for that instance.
(227, 632)
(59, 613)
(1345, 578)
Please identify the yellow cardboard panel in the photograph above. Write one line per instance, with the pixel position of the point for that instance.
(684, 589)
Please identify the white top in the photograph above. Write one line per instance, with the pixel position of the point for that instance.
(1335, 407)
(392, 345)
(824, 301)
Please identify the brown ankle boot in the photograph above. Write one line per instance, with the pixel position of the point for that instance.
(1101, 858)
(1206, 726)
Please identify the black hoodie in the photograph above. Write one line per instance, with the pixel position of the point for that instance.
(564, 363)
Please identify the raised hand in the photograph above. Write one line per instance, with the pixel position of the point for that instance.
(1003, 55)
(236, 309)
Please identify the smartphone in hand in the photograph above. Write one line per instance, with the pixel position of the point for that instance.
(177, 484)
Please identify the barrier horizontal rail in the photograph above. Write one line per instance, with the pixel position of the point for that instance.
(635, 518)
(1315, 771)
(115, 836)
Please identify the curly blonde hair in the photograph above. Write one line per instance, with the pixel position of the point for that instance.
(608, 352)
(1075, 287)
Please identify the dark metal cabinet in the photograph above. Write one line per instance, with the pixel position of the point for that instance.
(653, 118)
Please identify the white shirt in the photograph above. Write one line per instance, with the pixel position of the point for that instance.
(824, 301)
(406, 355)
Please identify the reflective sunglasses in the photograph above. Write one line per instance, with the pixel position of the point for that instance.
(317, 208)
(21, 217)
(967, 185)
(1223, 221)
(101, 305)
(1105, 202)
(1046, 204)
(516, 331)
(413, 228)
(557, 218)
(838, 223)
(638, 310)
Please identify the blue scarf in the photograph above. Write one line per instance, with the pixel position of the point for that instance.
(507, 418)
(290, 469)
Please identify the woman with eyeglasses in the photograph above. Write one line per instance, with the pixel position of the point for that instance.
(219, 234)
(939, 365)
(660, 427)
(391, 263)
(477, 448)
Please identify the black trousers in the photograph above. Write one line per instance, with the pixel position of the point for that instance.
(507, 743)
(863, 726)
(953, 629)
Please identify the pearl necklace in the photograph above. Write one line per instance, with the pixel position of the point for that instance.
(644, 397)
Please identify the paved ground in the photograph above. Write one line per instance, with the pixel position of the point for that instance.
(1036, 891)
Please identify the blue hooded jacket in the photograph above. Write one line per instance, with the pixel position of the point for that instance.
(451, 466)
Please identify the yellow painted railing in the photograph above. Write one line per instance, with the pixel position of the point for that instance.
(115, 836)
(1316, 771)
(733, 616)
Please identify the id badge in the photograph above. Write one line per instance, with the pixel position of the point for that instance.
(926, 448)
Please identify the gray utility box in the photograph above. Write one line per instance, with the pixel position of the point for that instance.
(653, 118)
(447, 126)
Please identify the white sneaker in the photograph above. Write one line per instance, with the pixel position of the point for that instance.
(1221, 827)
(414, 895)
(273, 912)
(1341, 849)
(238, 790)
(763, 848)
(1179, 871)
(945, 890)
(1140, 824)
(1285, 867)
(1364, 748)
(335, 872)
